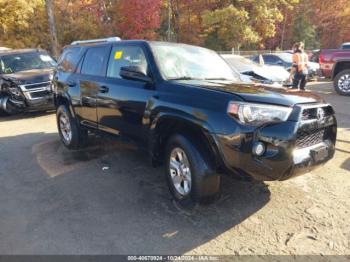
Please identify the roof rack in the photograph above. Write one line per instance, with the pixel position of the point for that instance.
(109, 39)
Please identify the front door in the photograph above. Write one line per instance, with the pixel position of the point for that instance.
(122, 105)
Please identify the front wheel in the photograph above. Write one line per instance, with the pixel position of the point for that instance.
(72, 136)
(342, 83)
(189, 175)
(6, 107)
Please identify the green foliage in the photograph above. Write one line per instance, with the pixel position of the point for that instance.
(23, 24)
(304, 31)
(245, 23)
(231, 25)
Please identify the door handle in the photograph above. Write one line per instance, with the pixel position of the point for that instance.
(71, 83)
(104, 89)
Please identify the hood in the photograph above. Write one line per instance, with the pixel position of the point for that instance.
(30, 76)
(273, 73)
(259, 93)
(277, 73)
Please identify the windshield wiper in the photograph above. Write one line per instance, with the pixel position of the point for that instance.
(184, 78)
(217, 78)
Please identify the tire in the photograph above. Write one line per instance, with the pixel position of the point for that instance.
(342, 83)
(204, 183)
(72, 136)
(6, 107)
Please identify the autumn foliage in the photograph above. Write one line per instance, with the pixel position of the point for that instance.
(217, 24)
(139, 19)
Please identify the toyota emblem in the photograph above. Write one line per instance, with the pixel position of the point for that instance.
(320, 114)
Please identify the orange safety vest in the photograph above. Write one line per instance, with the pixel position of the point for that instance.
(301, 60)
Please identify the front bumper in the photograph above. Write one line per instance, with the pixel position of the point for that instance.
(289, 145)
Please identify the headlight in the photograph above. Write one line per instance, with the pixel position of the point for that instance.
(258, 113)
(14, 90)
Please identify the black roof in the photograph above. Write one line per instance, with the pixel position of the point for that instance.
(20, 51)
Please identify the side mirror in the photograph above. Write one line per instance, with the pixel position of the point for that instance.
(134, 73)
(279, 63)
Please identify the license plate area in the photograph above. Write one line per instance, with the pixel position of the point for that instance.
(319, 154)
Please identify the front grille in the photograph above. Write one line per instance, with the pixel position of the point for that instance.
(39, 94)
(36, 85)
(309, 138)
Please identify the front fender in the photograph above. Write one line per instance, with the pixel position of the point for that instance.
(166, 124)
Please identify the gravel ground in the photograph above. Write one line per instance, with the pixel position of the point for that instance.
(108, 200)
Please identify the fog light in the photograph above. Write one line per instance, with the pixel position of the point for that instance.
(258, 148)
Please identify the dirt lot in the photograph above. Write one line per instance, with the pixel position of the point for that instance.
(108, 200)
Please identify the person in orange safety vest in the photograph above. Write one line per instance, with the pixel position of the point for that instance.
(300, 66)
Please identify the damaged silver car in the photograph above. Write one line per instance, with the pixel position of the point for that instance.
(25, 80)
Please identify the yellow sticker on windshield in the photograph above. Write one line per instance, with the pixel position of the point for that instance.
(118, 55)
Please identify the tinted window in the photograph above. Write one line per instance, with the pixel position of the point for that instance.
(268, 59)
(94, 61)
(126, 56)
(255, 59)
(69, 59)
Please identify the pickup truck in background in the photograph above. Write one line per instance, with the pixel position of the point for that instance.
(335, 64)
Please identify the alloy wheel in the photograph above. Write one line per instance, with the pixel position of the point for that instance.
(344, 83)
(180, 171)
(65, 127)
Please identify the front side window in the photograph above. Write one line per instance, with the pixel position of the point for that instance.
(94, 61)
(13, 63)
(126, 56)
(178, 61)
(69, 59)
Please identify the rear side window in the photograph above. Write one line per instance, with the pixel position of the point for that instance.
(94, 61)
(69, 59)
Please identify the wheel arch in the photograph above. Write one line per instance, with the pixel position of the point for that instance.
(64, 99)
(340, 65)
(166, 125)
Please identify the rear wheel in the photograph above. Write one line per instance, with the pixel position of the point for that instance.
(72, 136)
(190, 176)
(342, 83)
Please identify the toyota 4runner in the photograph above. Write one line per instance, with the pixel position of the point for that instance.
(184, 104)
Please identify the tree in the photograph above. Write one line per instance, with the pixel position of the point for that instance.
(332, 21)
(244, 23)
(23, 24)
(231, 26)
(52, 26)
(136, 19)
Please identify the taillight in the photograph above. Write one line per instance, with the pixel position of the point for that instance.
(321, 59)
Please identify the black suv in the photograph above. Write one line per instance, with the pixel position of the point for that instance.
(25, 80)
(184, 104)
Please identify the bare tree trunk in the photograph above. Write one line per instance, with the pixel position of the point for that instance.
(52, 26)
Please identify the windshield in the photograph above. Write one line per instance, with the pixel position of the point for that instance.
(13, 63)
(187, 62)
(241, 63)
(287, 57)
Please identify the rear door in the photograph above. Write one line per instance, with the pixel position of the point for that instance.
(121, 107)
(91, 82)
